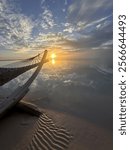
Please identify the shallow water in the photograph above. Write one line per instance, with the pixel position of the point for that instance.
(83, 90)
(80, 88)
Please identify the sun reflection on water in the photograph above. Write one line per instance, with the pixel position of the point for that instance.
(53, 61)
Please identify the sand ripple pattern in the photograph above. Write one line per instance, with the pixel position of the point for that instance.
(48, 136)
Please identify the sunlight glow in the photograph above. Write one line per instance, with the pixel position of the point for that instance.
(53, 57)
(53, 61)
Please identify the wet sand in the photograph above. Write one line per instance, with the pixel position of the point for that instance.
(53, 130)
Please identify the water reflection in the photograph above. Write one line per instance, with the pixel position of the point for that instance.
(74, 86)
(53, 61)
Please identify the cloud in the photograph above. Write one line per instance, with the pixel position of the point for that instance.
(45, 19)
(88, 10)
(45, 41)
(42, 2)
(69, 28)
(95, 38)
(91, 23)
(15, 28)
(87, 26)
(92, 20)
(66, 2)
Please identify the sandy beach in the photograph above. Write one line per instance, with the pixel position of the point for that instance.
(53, 130)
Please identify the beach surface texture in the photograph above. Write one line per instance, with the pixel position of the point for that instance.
(52, 130)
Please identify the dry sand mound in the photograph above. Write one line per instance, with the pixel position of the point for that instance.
(47, 136)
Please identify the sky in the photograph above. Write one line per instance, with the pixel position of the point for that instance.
(29, 26)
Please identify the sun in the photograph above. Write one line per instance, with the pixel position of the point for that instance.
(53, 56)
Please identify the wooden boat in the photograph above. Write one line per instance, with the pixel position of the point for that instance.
(11, 100)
